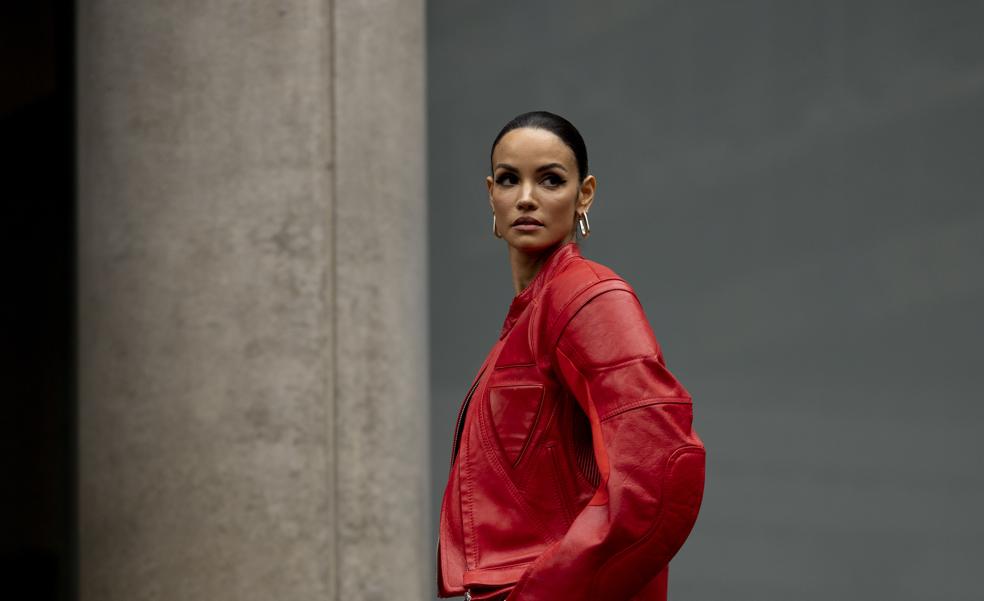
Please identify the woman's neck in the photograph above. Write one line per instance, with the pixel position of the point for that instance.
(526, 265)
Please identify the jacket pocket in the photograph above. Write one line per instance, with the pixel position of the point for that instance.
(545, 486)
(515, 411)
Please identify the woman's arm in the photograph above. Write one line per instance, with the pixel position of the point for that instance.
(650, 459)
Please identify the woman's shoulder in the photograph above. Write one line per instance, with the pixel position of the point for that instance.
(600, 320)
(581, 282)
(579, 277)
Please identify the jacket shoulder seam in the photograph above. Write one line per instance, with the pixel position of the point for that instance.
(618, 284)
(583, 290)
(645, 402)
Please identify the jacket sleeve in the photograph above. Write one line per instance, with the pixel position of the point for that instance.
(650, 459)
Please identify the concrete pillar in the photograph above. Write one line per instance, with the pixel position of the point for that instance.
(252, 321)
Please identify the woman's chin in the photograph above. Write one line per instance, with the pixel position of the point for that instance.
(533, 242)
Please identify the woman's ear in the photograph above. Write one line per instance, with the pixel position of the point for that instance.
(490, 182)
(587, 194)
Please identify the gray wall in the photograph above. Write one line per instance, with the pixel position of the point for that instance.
(794, 189)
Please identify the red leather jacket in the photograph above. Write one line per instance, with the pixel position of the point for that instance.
(575, 472)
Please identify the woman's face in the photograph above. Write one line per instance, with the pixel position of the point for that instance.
(534, 189)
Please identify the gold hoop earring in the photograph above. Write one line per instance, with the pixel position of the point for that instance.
(495, 232)
(583, 224)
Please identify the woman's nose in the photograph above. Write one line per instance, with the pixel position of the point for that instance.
(526, 194)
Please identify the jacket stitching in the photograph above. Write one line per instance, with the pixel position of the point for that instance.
(644, 403)
(587, 367)
(505, 365)
(518, 385)
(471, 510)
(504, 565)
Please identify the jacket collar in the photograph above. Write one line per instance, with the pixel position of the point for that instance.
(558, 257)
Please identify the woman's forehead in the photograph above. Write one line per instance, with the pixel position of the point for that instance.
(532, 145)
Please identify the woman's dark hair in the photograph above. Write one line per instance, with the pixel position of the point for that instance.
(555, 124)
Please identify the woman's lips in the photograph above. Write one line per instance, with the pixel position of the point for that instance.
(527, 223)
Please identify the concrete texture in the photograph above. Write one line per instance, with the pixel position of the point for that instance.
(252, 348)
(381, 369)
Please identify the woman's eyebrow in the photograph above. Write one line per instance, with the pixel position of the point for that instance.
(540, 168)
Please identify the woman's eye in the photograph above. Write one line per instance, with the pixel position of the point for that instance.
(553, 181)
(506, 178)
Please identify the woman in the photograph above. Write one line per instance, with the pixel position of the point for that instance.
(575, 472)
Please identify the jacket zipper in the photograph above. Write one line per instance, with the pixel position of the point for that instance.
(459, 425)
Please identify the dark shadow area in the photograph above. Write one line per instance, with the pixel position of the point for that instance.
(37, 549)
